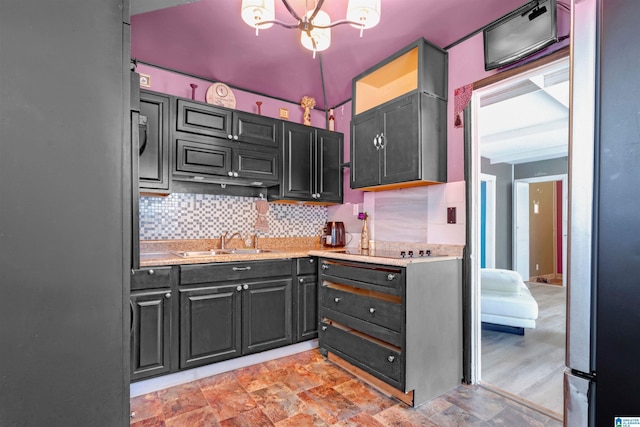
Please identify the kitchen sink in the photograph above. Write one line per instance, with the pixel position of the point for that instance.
(193, 254)
(248, 251)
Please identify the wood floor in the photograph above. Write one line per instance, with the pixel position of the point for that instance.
(307, 390)
(531, 366)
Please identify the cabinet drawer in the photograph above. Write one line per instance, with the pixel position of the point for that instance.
(203, 119)
(367, 276)
(206, 273)
(377, 359)
(198, 158)
(306, 266)
(150, 278)
(373, 310)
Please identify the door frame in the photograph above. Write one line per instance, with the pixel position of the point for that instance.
(490, 218)
(473, 200)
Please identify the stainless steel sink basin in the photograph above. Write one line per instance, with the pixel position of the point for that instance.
(248, 251)
(193, 254)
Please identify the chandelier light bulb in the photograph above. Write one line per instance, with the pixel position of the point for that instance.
(256, 11)
(321, 36)
(364, 12)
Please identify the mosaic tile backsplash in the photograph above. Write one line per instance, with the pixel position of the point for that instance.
(204, 216)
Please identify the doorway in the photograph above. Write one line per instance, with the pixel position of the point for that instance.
(525, 143)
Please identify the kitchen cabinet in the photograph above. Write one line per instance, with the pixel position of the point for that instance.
(152, 331)
(398, 136)
(306, 298)
(402, 143)
(312, 161)
(233, 309)
(153, 161)
(204, 119)
(218, 145)
(401, 325)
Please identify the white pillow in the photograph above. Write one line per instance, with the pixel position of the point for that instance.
(498, 280)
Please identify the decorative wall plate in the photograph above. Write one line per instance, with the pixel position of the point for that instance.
(222, 95)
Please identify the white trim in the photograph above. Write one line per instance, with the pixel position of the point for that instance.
(490, 231)
(154, 384)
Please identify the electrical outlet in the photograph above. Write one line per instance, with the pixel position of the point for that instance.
(451, 215)
(537, 267)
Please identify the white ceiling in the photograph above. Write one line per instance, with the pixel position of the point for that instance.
(526, 119)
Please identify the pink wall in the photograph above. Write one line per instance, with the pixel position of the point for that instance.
(177, 84)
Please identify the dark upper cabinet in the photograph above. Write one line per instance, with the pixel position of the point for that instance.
(400, 143)
(154, 137)
(203, 119)
(214, 144)
(399, 126)
(312, 164)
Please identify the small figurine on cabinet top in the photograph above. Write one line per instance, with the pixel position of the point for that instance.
(307, 103)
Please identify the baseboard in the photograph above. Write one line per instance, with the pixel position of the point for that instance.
(503, 328)
(154, 384)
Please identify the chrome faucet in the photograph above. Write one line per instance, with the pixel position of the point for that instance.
(224, 239)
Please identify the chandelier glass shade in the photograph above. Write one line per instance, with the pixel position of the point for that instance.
(315, 25)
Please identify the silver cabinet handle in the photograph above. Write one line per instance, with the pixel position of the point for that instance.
(311, 260)
(301, 280)
(325, 266)
(235, 137)
(150, 271)
(247, 268)
(375, 142)
(372, 310)
(391, 276)
(245, 287)
(381, 140)
(230, 173)
(324, 328)
(336, 299)
(235, 174)
(239, 288)
(167, 295)
(391, 359)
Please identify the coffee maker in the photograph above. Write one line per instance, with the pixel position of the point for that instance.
(334, 234)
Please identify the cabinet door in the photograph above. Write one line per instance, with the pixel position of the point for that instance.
(401, 152)
(329, 178)
(266, 315)
(198, 158)
(365, 163)
(255, 129)
(307, 320)
(298, 180)
(262, 166)
(150, 333)
(203, 119)
(209, 325)
(154, 141)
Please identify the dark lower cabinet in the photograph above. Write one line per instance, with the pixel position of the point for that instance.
(150, 333)
(209, 324)
(266, 315)
(306, 298)
(233, 309)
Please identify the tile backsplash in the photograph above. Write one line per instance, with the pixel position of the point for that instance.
(204, 216)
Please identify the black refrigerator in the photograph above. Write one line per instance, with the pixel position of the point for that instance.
(602, 379)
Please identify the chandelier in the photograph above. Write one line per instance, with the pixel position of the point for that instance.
(315, 25)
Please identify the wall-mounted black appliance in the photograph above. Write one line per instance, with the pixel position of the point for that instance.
(520, 33)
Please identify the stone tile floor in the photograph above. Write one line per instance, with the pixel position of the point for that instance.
(306, 390)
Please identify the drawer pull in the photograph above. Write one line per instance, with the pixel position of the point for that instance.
(247, 268)
(245, 287)
(391, 359)
(336, 299)
(324, 328)
(150, 271)
(325, 266)
(311, 261)
(391, 276)
(167, 295)
(301, 280)
(372, 310)
(239, 288)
